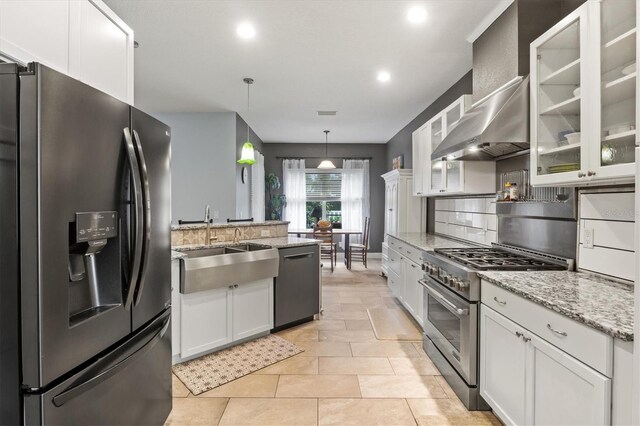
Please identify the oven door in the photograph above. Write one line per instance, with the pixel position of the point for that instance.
(452, 325)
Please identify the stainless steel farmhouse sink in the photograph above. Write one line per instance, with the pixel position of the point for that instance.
(217, 267)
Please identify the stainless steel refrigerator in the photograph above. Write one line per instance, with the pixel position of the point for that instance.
(84, 255)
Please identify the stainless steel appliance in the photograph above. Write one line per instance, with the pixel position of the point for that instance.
(84, 255)
(297, 288)
(451, 300)
(495, 126)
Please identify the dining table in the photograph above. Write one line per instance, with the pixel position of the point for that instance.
(346, 232)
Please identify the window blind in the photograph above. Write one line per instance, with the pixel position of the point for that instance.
(323, 186)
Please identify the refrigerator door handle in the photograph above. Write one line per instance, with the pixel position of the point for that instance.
(137, 219)
(116, 365)
(147, 216)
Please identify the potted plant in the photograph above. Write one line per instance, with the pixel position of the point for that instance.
(277, 201)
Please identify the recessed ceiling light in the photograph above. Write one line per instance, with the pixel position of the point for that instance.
(384, 76)
(417, 15)
(246, 31)
(450, 157)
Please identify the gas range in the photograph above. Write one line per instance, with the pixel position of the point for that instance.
(456, 268)
(451, 296)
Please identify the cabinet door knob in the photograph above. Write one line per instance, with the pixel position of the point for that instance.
(230, 286)
(520, 335)
(590, 173)
(235, 286)
(581, 175)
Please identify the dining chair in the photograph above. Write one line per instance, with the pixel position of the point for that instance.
(360, 251)
(327, 245)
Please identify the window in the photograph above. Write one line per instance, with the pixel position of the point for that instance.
(323, 197)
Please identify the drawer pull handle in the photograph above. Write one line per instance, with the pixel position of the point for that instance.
(520, 335)
(499, 302)
(560, 333)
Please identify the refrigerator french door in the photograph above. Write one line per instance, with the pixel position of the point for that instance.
(89, 224)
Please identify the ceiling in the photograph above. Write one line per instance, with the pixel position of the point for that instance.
(306, 56)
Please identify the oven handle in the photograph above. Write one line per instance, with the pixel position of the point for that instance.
(442, 299)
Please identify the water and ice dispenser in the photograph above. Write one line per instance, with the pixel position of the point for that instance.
(94, 265)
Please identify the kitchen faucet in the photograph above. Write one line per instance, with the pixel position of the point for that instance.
(207, 220)
(236, 234)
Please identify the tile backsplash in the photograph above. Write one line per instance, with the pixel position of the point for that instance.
(471, 219)
(198, 236)
(607, 231)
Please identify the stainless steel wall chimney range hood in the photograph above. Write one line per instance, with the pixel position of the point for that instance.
(495, 126)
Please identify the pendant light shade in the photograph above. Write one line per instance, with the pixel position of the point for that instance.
(326, 164)
(248, 155)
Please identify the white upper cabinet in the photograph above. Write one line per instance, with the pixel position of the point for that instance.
(417, 154)
(80, 38)
(102, 50)
(36, 31)
(442, 177)
(583, 99)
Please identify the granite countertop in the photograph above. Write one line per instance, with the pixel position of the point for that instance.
(428, 242)
(275, 242)
(284, 242)
(600, 303)
(226, 225)
(177, 255)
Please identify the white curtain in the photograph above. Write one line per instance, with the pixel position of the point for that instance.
(295, 189)
(355, 195)
(257, 188)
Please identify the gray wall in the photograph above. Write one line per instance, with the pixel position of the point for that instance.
(400, 144)
(203, 169)
(377, 167)
(243, 190)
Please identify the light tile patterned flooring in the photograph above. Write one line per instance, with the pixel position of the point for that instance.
(345, 376)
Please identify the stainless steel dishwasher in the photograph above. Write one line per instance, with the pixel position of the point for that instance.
(297, 287)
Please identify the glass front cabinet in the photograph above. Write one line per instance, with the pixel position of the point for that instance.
(444, 177)
(583, 97)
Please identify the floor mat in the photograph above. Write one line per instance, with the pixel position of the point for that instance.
(210, 371)
(393, 324)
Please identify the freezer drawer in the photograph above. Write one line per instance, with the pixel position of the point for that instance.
(297, 287)
(131, 384)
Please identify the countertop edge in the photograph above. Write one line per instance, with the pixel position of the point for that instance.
(627, 337)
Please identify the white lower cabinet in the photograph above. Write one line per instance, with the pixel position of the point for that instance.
(411, 275)
(215, 318)
(205, 321)
(251, 314)
(564, 390)
(526, 380)
(502, 366)
(175, 307)
(403, 275)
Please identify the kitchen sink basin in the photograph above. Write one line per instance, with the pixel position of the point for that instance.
(217, 267)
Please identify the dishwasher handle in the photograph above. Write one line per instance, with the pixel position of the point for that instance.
(298, 256)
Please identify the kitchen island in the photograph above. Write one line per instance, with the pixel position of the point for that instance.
(213, 314)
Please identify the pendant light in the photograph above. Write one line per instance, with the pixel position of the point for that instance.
(326, 164)
(247, 156)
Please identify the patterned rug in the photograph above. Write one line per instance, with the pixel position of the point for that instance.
(210, 371)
